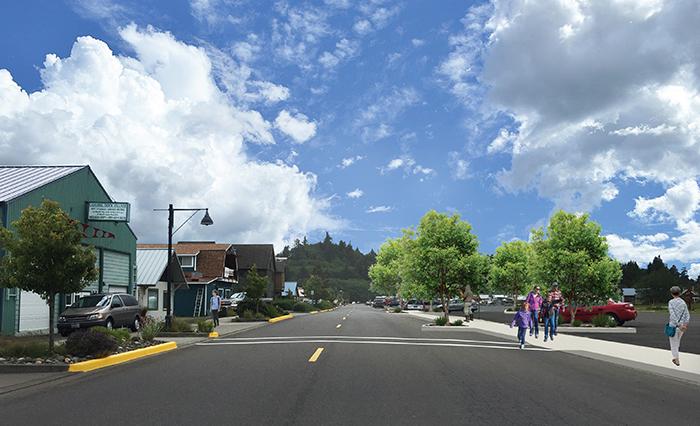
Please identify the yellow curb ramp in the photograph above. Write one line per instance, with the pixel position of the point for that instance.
(282, 318)
(94, 364)
(213, 334)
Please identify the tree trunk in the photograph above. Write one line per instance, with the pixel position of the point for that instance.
(445, 307)
(515, 302)
(52, 308)
(572, 309)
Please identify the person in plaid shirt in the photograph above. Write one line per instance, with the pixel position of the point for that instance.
(557, 302)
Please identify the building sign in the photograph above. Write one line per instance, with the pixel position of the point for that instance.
(108, 212)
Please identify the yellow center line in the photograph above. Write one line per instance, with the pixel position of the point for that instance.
(316, 354)
(338, 326)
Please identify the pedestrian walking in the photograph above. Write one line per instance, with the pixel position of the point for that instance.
(558, 304)
(215, 305)
(547, 310)
(678, 319)
(534, 300)
(523, 320)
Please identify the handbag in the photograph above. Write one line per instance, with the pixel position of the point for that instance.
(670, 330)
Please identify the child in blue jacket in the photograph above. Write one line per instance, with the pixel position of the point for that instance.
(523, 320)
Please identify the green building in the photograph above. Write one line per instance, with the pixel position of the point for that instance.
(114, 243)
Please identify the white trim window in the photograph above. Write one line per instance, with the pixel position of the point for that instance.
(188, 261)
(152, 299)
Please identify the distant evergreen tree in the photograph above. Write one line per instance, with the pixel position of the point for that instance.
(336, 266)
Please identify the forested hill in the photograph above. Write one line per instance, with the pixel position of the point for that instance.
(340, 266)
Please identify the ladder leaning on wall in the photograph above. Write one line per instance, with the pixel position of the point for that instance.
(199, 299)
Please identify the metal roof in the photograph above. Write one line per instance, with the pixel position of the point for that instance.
(16, 181)
(151, 265)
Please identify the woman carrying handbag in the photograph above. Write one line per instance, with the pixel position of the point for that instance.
(678, 319)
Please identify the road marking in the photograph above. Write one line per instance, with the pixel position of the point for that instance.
(344, 318)
(360, 342)
(316, 354)
(338, 326)
(401, 339)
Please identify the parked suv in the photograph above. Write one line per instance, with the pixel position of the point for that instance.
(108, 310)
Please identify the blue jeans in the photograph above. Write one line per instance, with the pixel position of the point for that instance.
(535, 323)
(522, 331)
(548, 327)
(555, 322)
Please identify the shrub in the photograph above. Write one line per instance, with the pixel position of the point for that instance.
(248, 314)
(302, 307)
(397, 310)
(269, 310)
(25, 349)
(603, 321)
(205, 326)
(437, 309)
(121, 335)
(150, 328)
(440, 321)
(179, 325)
(259, 316)
(246, 305)
(577, 323)
(323, 304)
(458, 322)
(90, 343)
(284, 303)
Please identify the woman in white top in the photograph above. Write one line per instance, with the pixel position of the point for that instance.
(679, 317)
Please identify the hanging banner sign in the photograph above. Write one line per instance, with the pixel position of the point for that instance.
(108, 212)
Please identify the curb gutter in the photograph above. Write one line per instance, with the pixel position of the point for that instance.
(95, 364)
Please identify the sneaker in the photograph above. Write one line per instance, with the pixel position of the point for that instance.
(551, 338)
(522, 346)
(537, 336)
(545, 339)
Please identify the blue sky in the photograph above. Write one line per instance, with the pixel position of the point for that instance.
(290, 118)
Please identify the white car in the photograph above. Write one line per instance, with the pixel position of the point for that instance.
(414, 305)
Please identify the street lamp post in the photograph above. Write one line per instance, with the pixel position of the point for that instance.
(206, 221)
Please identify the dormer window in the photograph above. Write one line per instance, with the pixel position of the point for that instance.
(188, 261)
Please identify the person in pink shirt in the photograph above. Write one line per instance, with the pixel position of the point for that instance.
(534, 300)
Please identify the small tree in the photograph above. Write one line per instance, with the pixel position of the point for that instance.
(45, 256)
(255, 286)
(440, 256)
(510, 271)
(316, 288)
(386, 272)
(574, 254)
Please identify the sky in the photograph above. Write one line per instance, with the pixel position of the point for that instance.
(293, 118)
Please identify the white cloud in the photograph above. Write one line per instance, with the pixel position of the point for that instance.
(297, 126)
(157, 130)
(596, 92)
(694, 271)
(362, 27)
(458, 166)
(344, 49)
(357, 193)
(416, 42)
(297, 33)
(680, 202)
(379, 209)
(347, 162)
(409, 166)
(501, 142)
(374, 120)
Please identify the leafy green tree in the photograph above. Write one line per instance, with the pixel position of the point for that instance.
(315, 287)
(574, 254)
(440, 259)
(45, 255)
(385, 273)
(255, 286)
(511, 268)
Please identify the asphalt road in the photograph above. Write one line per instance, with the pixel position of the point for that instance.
(376, 368)
(649, 325)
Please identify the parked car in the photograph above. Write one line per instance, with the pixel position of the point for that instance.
(619, 311)
(414, 305)
(108, 310)
(379, 302)
(454, 305)
(233, 300)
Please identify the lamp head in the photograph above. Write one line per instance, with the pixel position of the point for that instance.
(206, 220)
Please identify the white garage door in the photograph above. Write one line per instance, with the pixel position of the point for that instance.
(33, 312)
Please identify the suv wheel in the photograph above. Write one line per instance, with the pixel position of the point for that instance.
(136, 324)
(109, 325)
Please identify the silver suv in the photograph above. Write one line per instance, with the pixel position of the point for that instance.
(108, 310)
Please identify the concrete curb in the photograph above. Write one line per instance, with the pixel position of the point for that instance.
(33, 368)
(95, 364)
(282, 318)
(444, 328)
(598, 330)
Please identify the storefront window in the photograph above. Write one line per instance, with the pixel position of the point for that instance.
(152, 299)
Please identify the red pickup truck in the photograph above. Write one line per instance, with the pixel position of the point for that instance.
(619, 311)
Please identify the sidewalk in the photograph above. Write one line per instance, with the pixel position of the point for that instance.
(640, 357)
(225, 328)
